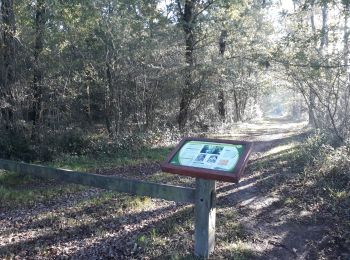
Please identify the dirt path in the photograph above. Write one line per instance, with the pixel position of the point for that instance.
(257, 219)
(275, 228)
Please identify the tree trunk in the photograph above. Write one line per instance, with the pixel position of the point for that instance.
(150, 105)
(346, 35)
(324, 30)
(346, 94)
(89, 82)
(311, 96)
(111, 107)
(221, 95)
(221, 105)
(237, 111)
(39, 23)
(320, 49)
(107, 107)
(312, 119)
(187, 93)
(184, 108)
(7, 73)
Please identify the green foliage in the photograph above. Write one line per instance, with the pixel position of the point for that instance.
(73, 141)
(115, 69)
(91, 162)
(124, 201)
(311, 150)
(326, 183)
(15, 179)
(178, 225)
(147, 239)
(15, 145)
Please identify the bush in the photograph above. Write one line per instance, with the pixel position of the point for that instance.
(15, 145)
(73, 141)
(311, 151)
(327, 183)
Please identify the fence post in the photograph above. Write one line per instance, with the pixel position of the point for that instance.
(205, 214)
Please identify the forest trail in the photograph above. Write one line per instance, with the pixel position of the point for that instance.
(262, 202)
(259, 218)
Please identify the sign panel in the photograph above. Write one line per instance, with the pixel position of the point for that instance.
(209, 158)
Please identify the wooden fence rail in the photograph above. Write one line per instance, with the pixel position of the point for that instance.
(142, 188)
(203, 196)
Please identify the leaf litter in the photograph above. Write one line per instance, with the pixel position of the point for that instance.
(257, 219)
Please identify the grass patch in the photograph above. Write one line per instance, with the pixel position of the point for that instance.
(117, 201)
(287, 156)
(171, 238)
(230, 237)
(290, 201)
(175, 179)
(238, 251)
(12, 197)
(90, 163)
(150, 238)
(228, 227)
(15, 179)
(24, 190)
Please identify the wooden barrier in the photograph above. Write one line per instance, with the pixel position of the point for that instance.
(203, 196)
(163, 191)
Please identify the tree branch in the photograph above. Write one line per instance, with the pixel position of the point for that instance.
(180, 8)
(210, 2)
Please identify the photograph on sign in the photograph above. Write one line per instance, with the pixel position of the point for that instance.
(209, 158)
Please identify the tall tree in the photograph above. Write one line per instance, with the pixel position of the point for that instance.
(221, 95)
(312, 96)
(346, 32)
(39, 25)
(187, 20)
(8, 59)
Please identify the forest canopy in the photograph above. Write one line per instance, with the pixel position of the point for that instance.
(90, 76)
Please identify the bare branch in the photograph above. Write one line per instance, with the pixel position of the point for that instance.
(180, 8)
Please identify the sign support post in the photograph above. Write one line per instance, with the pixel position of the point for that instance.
(208, 160)
(205, 216)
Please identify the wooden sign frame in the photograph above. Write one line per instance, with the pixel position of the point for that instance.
(212, 174)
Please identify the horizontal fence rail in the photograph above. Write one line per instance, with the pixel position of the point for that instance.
(142, 188)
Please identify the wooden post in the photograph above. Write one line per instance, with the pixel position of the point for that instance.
(205, 214)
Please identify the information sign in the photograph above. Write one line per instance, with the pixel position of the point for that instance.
(209, 158)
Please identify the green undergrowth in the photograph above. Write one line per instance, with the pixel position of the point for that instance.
(123, 158)
(325, 186)
(170, 238)
(315, 176)
(273, 171)
(231, 236)
(15, 179)
(23, 190)
(175, 179)
(119, 201)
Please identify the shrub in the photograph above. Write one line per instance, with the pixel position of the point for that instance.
(73, 141)
(327, 178)
(15, 145)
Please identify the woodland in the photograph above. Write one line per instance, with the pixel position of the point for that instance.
(76, 73)
(111, 86)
